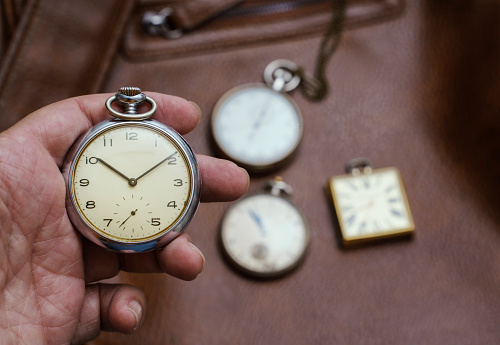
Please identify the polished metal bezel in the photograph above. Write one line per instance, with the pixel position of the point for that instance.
(250, 166)
(132, 246)
(239, 265)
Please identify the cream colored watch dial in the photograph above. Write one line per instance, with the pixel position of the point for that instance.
(257, 126)
(264, 235)
(131, 183)
(371, 205)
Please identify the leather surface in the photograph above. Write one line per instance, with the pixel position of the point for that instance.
(240, 30)
(191, 13)
(419, 92)
(59, 50)
(10, 14)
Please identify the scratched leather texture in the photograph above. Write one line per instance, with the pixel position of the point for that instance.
(417, 90)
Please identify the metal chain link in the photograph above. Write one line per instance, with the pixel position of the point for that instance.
(315, 87)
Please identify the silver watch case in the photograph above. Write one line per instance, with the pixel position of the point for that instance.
(98, 238)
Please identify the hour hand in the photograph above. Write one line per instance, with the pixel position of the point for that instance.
(132, 182)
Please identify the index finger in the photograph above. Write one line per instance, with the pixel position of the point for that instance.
(58, 125)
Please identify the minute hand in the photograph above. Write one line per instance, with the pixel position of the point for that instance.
(156, 166)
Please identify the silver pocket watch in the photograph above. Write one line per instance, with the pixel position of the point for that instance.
(259, 126)
(265, 235)
(133, 183)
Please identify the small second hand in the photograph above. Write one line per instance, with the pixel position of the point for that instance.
(131, 214)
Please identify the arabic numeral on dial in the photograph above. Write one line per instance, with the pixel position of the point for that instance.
(172, 204)
(108, 142)
(131, 136)
(91, 160)
(107, 220)
(84, 182)
(90, 205)
(155, 221)
(178, 182)
(171, 159)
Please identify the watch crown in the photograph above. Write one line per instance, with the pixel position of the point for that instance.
(278, 187)
(130, 98)
(358, 166)
(130, 91)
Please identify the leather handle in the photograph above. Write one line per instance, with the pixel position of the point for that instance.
(194, 12)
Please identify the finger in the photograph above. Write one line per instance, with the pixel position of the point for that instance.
(99, 263)
(222, 180)
(58, 125)
(180, 258)
(115, 308)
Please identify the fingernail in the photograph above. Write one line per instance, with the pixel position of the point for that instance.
(198, 109)
(136, 309)
(248, 179)
(201, 254)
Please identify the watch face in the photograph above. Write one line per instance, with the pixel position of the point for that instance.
(132, 183)
(371, 206)
(264, 235)
(256, 126)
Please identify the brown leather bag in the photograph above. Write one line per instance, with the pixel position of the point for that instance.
(413, 86)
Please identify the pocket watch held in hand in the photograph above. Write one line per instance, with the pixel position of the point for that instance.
(370, 204)
(132, 183)
(265, 235)
(257, 125)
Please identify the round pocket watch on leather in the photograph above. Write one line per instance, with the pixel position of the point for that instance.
(264, 235)
(258, 125)
(132, 183)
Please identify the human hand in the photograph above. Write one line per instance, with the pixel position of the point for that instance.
(48, 273)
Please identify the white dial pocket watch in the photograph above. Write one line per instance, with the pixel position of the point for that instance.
(132, 182)
(371, 204)
(264, 235)
(258, 125)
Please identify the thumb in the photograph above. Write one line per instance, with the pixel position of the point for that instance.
(107, 307)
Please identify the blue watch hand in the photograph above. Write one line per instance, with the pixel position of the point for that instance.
(258, 221)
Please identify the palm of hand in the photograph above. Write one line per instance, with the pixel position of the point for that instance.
(41, 269)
